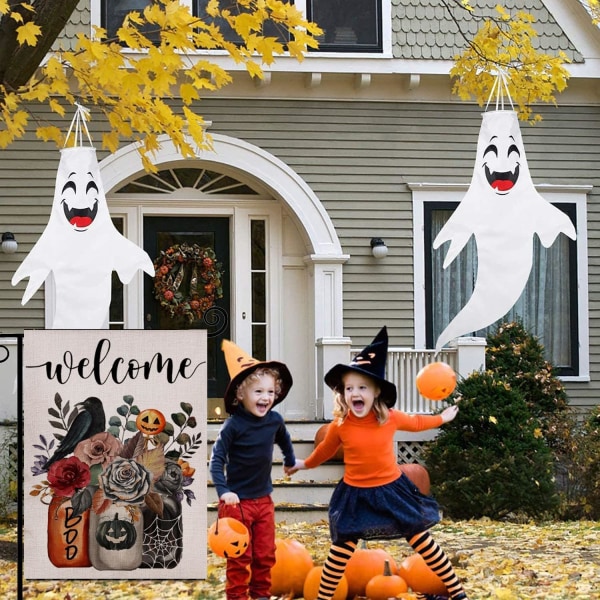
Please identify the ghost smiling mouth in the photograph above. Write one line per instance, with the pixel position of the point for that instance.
(80, 218)
(502, 181)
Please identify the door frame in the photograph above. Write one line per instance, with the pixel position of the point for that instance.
(282, 187)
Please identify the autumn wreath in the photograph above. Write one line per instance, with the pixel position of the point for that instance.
(187, 280)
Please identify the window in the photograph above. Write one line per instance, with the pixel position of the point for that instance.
(270, 29)
(348, 25)
(258, 265)
(115, 11)
(553, 305)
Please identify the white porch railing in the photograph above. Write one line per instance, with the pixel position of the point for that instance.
(403, 364)
(402, 367)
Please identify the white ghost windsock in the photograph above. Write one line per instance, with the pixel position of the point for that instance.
(503, 210)
(80, 247)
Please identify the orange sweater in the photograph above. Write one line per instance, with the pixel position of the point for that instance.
(369, 456)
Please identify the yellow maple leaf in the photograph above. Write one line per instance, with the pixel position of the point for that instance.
(507, 43)
(254, 69)
(493, 420)
(188, 93)
(50, 133)
(28, 33)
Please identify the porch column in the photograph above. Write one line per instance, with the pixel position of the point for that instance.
(470, 355)
(330, 352)
(331, 346)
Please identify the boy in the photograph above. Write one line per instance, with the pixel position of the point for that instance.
(241, 462)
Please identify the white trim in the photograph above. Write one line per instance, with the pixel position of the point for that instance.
(453, 192)
(264, 169)
(281, 186)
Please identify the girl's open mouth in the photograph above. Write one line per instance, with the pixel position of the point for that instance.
(358, 404)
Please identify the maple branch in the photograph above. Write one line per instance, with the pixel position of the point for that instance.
(18, 62)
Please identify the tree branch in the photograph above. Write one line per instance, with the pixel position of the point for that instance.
(18, 62)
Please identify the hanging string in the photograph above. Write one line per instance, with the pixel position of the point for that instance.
(79, 126)
(500, 90)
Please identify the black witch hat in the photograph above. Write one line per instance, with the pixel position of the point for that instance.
(371, 361)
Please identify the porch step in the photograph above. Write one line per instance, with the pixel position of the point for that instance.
(305, 496)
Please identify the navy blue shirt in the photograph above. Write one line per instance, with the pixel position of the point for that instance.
(242, 455)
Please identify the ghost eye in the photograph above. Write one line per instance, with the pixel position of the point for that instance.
(512, 149)
(91, 186)
(491, 148)
(70, 185)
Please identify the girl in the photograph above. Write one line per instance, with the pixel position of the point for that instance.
(374, 500)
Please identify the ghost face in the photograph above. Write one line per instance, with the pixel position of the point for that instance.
(79, 200)
(501, 163)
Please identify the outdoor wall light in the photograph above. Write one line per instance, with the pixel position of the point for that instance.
(9, 244)
(378, 248)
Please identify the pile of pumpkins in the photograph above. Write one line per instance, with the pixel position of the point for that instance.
(371, 573)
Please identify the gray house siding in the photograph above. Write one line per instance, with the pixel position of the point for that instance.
(357, 157)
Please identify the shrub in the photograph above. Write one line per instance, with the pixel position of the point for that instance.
(588, 463)
(491, 460)
(8, 470)
(516, 356)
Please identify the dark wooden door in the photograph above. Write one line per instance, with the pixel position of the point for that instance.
(161, 233)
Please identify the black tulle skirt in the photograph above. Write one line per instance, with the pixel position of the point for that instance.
(395, 510)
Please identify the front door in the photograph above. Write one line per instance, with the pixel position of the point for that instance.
(162, 233)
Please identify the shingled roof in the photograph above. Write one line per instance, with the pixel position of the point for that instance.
(423, 29)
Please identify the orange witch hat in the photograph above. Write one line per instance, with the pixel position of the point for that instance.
(240, 364)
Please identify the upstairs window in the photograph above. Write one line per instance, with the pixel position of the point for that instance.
(270, 29)
(348, 25)
(115, 11)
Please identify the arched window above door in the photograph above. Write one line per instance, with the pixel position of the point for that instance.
(169, 180)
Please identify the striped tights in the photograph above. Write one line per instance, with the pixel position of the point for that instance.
(423, 543)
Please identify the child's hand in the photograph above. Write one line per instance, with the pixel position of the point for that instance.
(230, 498)
(449, 413)
(297, 467)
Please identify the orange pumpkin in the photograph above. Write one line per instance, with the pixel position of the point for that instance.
(320, 436)
(364, 564)
(436, 381)
(419, 475)
(292, 564)
(419, 577)
(386, 585)
(228, 537)
(311, 586)
(150, 421)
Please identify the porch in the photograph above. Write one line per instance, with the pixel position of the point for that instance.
(305, 496)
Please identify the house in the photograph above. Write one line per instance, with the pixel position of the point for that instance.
(312, 166)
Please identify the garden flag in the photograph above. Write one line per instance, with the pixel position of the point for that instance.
(115, 471)
(503, 210)
(80, 247)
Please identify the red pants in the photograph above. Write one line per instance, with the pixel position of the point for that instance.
(251, 572)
